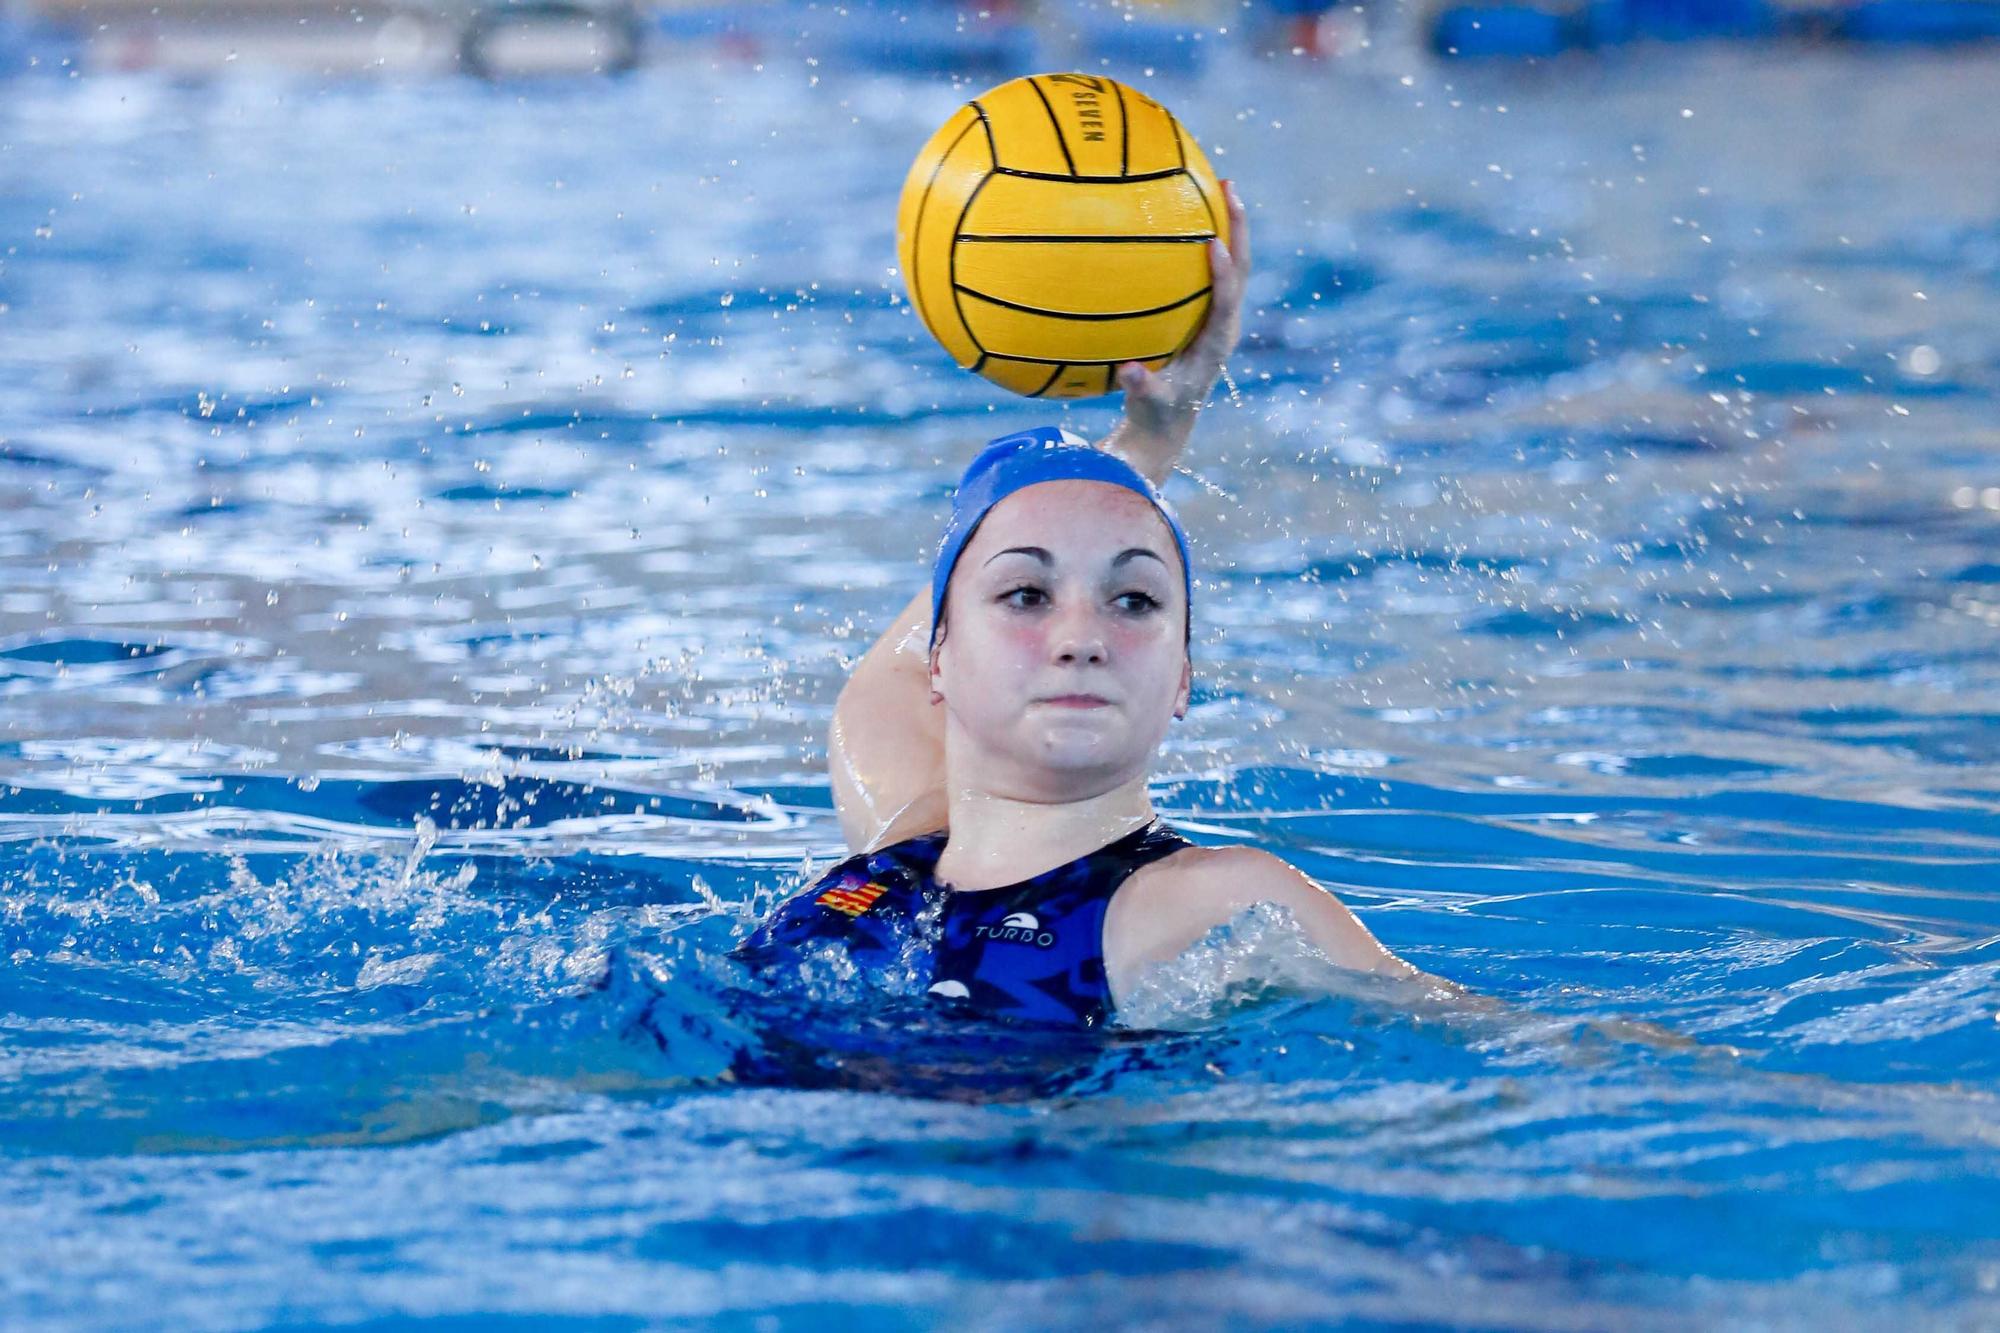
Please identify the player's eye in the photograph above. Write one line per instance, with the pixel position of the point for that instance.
(1023, 596)
(1136, 603)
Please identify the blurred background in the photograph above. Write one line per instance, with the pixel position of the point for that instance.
(541, 37)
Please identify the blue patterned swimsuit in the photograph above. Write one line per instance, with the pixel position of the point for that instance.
(1032, 951)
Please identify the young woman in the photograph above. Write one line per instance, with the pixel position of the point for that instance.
(990, 753)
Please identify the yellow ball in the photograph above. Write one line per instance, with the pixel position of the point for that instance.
(1056, 228)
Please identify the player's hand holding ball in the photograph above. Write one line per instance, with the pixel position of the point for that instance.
(1160, 406)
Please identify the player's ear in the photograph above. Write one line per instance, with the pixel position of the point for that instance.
(1186, 690)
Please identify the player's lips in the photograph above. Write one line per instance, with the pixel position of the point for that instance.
(1075, 701)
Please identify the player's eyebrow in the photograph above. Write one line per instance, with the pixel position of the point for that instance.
(1032, 552)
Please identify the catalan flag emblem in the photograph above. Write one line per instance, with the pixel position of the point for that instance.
(852, 898)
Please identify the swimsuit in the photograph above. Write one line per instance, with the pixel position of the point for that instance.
(1032, 951)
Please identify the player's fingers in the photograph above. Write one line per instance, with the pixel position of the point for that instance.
(1219, 330)
(1219, 263)
(1239, 231)
(1147, 394)
(1188, 377)
(1220, 259)
(1225, 287)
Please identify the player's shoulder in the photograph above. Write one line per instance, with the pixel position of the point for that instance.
(1233, 870)
(1184, 894)
(1170, 905)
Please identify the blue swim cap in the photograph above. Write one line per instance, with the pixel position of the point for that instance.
(1029, 458)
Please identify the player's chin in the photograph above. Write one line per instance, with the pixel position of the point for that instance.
(1087, 748)
(1091, 761)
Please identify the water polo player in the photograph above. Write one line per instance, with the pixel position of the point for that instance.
(991, 752)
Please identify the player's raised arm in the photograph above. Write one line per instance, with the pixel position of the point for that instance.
(886, 748)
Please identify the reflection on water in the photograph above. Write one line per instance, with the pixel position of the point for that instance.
(437, 522)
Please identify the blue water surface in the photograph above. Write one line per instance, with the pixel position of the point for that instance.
(435, 521)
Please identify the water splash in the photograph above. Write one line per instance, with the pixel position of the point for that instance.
(1258, 956)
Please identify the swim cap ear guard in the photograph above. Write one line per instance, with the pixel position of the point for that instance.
(1029, 458)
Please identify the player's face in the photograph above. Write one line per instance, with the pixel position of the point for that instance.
(1064, 655)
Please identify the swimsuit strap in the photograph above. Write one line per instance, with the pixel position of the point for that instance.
(1107, 867)
(1138, 849)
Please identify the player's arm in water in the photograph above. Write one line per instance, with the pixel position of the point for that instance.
(886, 751)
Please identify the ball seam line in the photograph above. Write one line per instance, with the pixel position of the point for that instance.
(1124, 145)
(1025, 174)
(1056, 238)
(917, 232)
(992, 148)
(951, 268)
(976, 294)
(1093, 361)
(1195, 180)
(1054, 124)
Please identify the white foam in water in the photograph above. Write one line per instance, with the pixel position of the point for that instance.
(826, 974)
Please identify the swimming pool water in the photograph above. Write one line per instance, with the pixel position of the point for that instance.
(437, 520)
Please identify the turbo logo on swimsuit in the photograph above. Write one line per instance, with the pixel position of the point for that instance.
(1018, 928)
